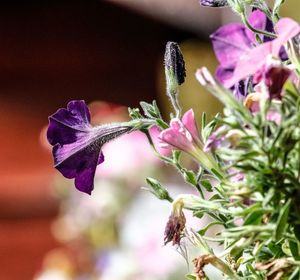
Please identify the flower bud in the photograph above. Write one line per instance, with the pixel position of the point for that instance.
(214, 3)
(158, 190)
(176, 224)
(174, 64)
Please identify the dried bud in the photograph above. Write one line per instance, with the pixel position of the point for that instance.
(174, 229)
(176, 224)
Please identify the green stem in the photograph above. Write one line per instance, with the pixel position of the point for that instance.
(253, 29)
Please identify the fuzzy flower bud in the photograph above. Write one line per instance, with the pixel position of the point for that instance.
(175, 73)
(174, 65)
(214, 3)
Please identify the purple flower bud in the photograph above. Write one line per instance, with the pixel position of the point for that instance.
(77, 145)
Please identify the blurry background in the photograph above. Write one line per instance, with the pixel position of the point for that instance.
(55, 51)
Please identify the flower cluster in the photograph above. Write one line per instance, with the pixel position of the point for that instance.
(247, 172)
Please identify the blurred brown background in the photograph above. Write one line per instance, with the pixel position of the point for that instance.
(54, 51)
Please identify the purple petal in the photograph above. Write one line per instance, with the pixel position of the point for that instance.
(81, 166)
(100, 158)
(230, 42)
(250, 64)
(240, 89)
(259, 21)
(223, 74)
(66, 125)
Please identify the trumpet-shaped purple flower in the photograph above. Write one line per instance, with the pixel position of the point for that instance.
(255, 59)
(231, 43)
(77, 145)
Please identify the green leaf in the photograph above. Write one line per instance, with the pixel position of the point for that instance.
(268, 196)
(190, 177)
(297, 231)
(216, 173)
(294, 247)
(151, 110)
(176, 155)
(161, 124)
(203, 231)
(134, 113)
(158, 190)
(199, 214)
(154, 104)
(208, 128)
(286, 248)
(295, 275)
(282, 221)
(215, 197)
(207, 185)
(191, 276)
(275, 249)
(254, 218)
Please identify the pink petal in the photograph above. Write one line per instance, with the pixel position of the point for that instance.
(177, 136)
(250, 64)
(254, 60)
(286, 28)
(274, 116)
(259, 21)
(189, 122)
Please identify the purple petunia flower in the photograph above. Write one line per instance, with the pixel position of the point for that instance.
(77, 145)
(231, 43)
(255, 59)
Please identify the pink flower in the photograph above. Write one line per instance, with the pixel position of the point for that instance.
(182, 134)
(255, 59)
(274, 116)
